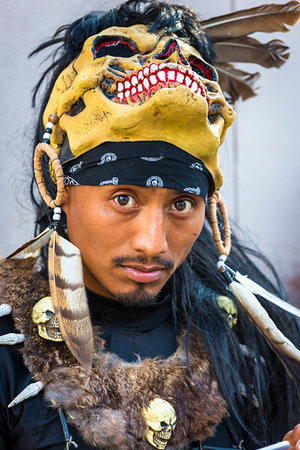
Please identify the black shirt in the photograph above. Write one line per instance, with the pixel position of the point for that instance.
(131, 332)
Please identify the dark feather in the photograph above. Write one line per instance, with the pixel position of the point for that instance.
(265, 18)
(235, 82)
(250, 50)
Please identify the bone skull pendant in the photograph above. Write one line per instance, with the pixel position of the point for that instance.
(43, 315)
(229, 308)
(160, 418)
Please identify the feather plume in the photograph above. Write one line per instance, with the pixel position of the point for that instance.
(69, 298)
(32, 248)
(235, 82)
(265, 18)
(288, 354)
(250, 50)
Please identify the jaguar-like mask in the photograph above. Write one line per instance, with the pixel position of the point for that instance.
(160, 418)
(131, 85)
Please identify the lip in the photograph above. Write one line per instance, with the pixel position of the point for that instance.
(143, 274)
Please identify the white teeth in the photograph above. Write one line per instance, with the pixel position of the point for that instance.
(146, 71)
(120, 87)
(162, 66)
(140, 75)
(194, 87)
(199, 92)
(127, 85)
(153, 68)
(134, 80)
(171, 75)
(153, 80)
(172, 66)
(188, 81)
(190, 72)
(182, 69)
(133, 91)
(120, 96)
(179, 77)
(146, 83)
(140, 88)
(127, 93)
(161, 75)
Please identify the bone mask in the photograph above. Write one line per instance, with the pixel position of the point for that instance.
(43, 315)
(160, 418)
(159, 89)
(229, 308)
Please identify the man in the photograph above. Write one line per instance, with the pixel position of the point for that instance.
(140, 344)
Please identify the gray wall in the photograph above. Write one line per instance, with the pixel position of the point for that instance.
(264, 198)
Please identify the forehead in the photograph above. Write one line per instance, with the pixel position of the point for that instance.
(145, 41)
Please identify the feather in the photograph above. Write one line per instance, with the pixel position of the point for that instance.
(235, 82)
(265, 18)
(69, 298)
(257, 289)
(288, 354)
(32, 248)
(249, 50)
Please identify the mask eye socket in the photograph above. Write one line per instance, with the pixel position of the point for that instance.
(203, 69)
(120, 47)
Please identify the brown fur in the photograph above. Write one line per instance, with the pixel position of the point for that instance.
(106, 403)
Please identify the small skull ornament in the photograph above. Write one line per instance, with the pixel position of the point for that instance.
(43, 315)
(160, 418)
(229, 308)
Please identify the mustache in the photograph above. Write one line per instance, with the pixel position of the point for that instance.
(142, 259)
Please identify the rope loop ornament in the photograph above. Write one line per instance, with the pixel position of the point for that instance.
(40, 149)
(216, 203)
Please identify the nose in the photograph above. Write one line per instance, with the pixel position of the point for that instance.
(150, 236)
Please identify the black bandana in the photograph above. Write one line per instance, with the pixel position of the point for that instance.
(146, 163)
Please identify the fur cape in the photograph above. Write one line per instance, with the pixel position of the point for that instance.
(106, 403)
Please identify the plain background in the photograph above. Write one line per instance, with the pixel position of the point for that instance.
(261, 147)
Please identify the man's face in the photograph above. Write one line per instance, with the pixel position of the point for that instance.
(131, 238)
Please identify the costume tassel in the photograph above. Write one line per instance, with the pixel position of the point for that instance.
(5, 310)
(69, 298)
(11, 339)
(30, 391)
(283, 347)
(265, 18)
(32, 248)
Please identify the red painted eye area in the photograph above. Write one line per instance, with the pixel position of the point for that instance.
(202, 69)
(118, 47)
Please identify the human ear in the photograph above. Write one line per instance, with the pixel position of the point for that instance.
(66, 200)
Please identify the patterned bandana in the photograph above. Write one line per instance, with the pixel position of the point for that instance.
(147, 163)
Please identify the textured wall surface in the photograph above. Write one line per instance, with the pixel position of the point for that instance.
(264, 198)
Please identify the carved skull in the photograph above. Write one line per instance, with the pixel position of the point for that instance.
(229, 308)
(43, 315)
(131, 85)
(160, 418)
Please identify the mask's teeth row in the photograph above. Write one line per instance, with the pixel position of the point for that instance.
(151, 75)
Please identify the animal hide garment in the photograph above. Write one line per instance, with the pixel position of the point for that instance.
(106, 403)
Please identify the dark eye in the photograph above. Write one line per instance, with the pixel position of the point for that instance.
(163, 424)
(203, 69)
(124, 200)
(184, 206)
(113, 46)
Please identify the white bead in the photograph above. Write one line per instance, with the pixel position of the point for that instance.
(49, 125)
(46, 136)
(57, 210)
(56, 216)
(220, 264)
(222, 258)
